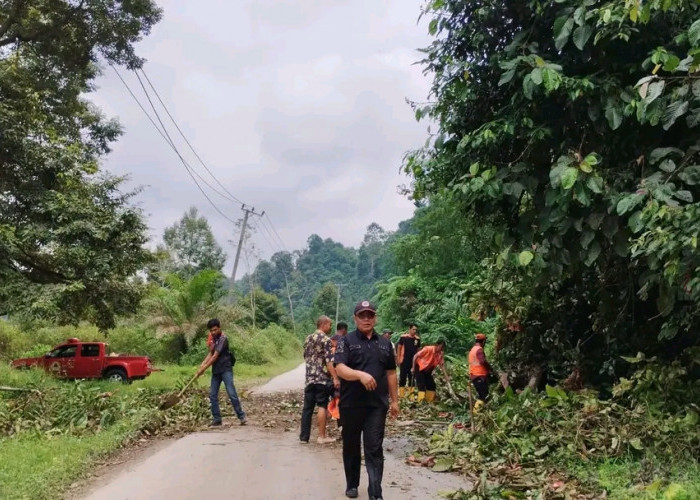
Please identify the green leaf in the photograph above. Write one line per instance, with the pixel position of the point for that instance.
(684, 195)
(581, 36)
(614, 116)
(541, 451)
(690, 175)
(657, 154)
(562, 36)
(568, 177)
(443, 464)
(627, 203)
(586, 238)
(668, 165)
(636, 443)
(525, 257)
(506, 77)
(536, 75)
(654, 91)
(595, 184)
(592, 254)
(474, 169)
(433, 27)
(674, 111)
(635, 223)
(694, 32)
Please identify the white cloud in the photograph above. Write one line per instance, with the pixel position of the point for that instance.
(297, 107)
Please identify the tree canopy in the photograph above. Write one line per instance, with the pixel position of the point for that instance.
(70, 242)
(192, 245)
(571, 128)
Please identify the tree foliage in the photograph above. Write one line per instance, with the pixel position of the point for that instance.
(69, 241)
(572, 127)
(192, 245)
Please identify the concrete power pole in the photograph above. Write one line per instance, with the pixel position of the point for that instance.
(247, 211)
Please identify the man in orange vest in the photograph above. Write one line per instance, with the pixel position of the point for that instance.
(479, 369)
(424, 362)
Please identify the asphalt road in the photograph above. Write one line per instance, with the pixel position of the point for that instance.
(254, 463)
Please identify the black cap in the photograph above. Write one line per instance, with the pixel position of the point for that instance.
(364, 305)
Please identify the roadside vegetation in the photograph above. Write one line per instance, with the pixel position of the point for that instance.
(556, 211)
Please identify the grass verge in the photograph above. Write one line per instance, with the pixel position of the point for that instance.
(40, 462)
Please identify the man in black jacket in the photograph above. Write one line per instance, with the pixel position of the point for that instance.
(366, 366)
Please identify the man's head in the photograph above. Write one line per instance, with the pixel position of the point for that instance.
(412, 329)
(387, 333)
(341, 329)
(323, 323)
(365, 316)
(440, 344)
(480, 338)
(214, 326)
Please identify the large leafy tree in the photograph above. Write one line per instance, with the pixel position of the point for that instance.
(69, 240)
(572, 125)
(192, 245)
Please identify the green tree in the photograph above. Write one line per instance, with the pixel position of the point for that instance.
(192, 245)
(183, 306)
(325, 301)
(69, 241)
(572, 126)
(371, 252)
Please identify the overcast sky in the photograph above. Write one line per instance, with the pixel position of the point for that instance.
(298, 108)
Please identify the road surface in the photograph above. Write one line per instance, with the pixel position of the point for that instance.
(255, 463)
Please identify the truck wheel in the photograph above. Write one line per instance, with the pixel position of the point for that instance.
(116, 375)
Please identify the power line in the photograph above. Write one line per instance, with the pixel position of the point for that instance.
(232, 197)
(184, 163)
(275, 232)
(167, 140)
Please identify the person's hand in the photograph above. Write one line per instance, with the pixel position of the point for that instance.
(336, 382)
(200, 370)
(368, 381)
(394, 409)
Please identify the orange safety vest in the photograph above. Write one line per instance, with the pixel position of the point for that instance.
(476, 369)
(428, 358)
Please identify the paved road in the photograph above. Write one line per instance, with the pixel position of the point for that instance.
(254, 463)
(291, 381)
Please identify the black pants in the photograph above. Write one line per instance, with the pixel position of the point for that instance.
(314, 395)
(405, 374)
(367, 423)
(482, 387)
(425, 380)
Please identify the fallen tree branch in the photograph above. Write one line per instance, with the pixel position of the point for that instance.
(18, 389)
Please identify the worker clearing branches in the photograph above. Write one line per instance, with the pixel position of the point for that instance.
(479, 370)
(424, 362)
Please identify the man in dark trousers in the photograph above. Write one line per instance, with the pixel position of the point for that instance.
(408, 346)
(320, 380)
(368, 389)
(221, 362)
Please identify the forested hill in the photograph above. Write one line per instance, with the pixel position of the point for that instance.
(311, 278)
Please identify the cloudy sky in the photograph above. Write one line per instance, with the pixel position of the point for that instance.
(297, 107)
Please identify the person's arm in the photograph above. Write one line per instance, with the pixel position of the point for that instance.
(481, 357)
(347, 373)
(417, 356)
(393, 393)
(329, 364)
(208, 361)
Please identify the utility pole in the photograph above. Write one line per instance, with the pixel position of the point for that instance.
(337, 301)
(247, 211)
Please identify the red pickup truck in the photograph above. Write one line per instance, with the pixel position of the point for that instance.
(76, 359)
